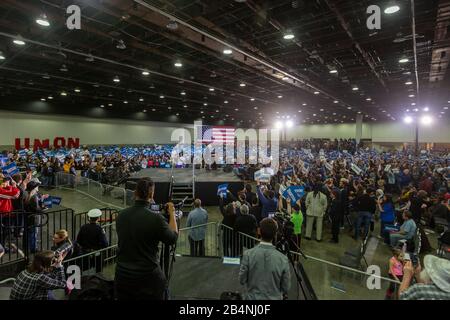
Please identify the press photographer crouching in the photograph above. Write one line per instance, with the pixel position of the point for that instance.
(139, 230)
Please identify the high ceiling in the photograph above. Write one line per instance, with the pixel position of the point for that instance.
(265, 78)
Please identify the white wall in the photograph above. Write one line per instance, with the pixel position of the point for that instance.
(109, 131)
(90, 131)
(398, 132)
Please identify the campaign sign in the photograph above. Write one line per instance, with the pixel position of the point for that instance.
(222, 190)
(282, 189)
(387, 168)
(294, 193)
(265, 177)
(288, 171)
(328, 166)
(56, 200)
(356, 169)
(10, 169)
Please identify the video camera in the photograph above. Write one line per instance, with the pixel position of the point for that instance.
(163, 209)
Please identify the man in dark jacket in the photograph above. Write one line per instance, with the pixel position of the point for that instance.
(245, 225)
(140, 229)
(268, 201)
(365, 206)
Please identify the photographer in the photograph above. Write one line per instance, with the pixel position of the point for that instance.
(139, 230)
(46, 273)
(264, 270)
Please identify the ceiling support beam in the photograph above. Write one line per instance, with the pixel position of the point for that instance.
(358, 47)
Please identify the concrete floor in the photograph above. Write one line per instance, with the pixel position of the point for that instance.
(328, 281)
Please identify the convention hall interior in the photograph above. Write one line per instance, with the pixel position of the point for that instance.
(224, 150)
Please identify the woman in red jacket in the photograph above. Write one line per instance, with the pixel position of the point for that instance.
(8, 191)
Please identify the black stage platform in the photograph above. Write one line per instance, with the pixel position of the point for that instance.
(207, 278)
(206, 182)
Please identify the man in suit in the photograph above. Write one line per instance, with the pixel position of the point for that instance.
(264, 270)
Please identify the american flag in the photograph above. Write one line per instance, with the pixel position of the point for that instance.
(220, 134)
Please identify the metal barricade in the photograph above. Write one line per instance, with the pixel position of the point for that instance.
(107, 222)
(99, 261)
(206, 243)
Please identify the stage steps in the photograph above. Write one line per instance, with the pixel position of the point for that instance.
(180, 191)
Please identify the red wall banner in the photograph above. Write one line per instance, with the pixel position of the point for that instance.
(58, 142)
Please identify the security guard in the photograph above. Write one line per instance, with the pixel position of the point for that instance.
(91, 236)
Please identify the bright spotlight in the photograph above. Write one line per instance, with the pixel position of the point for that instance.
(289, 124)
(279, 125)
(391, 9)
(426, 120)
(408, 119)
(426, 109)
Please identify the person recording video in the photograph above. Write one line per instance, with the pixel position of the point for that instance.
(265, 271)
(139, 230)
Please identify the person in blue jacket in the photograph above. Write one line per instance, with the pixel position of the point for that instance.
(387, 212)
(268, 200)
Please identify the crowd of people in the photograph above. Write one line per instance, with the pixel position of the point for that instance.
(351, 188)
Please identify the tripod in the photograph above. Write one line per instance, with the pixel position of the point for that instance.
(284, 247)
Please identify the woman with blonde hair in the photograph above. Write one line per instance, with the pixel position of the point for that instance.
(62, 243)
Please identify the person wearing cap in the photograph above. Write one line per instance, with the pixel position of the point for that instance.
(91, 236)
(433, 282)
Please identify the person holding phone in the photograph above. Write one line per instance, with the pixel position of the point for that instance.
(45, 274)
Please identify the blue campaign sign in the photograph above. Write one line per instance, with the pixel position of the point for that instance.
(48, 202)
(294, 193)
(288, 171)
(3, 161)
(10, 169)
(222, 189)
(56, 200)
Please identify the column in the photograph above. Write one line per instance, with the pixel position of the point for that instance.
(359, 122)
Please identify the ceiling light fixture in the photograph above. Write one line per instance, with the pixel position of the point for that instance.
(161, 97)
(411, 96)
(426, 120)
(43, 99)
(141, 99)
(252, 99)
(316, 92)
(288, 35)
(49, 97)
(178, 64)
(403, 60)
(77, 90)
(2, 56)
(333, 71)
(392, 8)
(408, 83)
(125, 102)
(121, 45)
(242, 84)
(19, 41)
(227, 51)
(211, 89)
(280, 96)
(63, 68)
(368, 99)
(116, 79)
(355, 88)
(145, 73)
(63, 93)
(43, 21)
(335, 101)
